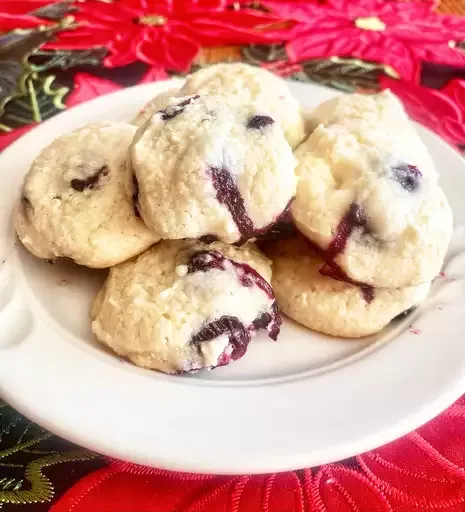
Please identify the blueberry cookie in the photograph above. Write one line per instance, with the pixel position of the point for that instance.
(249, 84)
(74, 202)
(368, 196)
(183, 305)
(378, 120)
(158, 103)
(306, 293)
(205, 169)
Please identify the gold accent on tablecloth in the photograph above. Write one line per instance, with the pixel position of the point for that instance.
(452, 7)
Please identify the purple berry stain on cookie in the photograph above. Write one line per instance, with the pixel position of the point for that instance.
(208, 239)
(239, 334)
(353, 219)
(408, 176)
(227, 193)
(172, 111)
(204, 261)
(91, 182)
(333, 271)
(281, 227)
(259, 122)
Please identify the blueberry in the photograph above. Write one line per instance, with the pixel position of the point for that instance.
(258, 122)
(408, 176)
(91, 182)
(173, 111)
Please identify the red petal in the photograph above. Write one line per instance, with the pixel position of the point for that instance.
(107, 13)
(305, 12)
(326, 43)
(81, 39)
(21, 6)
(15, 21)
(123, 47)
(439, 110)
(171, 50)
(221, 29)
(87, 86)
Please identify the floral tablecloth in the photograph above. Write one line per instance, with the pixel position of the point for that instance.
(54, 55)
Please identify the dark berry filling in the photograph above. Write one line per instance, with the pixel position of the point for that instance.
(91, 182)
(173, 111)
(204, 261)
(208, 239)
(271, 321)
(135, 195)
(227, 193)
(258, 122)
(408, 176)
(354, 218)
(335, 272)
(283, 226)
(239, 335)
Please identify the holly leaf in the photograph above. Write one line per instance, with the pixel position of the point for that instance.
(55, 11)
(344, 74)
(259, 53)
(15, 49)
(41, 100)
(44, 60)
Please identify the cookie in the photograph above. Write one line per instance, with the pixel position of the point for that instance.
(183, 306)
(74, 202)
(249, 84)
(206, 169)
(154, 105)
(369, 199)
(308, 296)
(378, 120)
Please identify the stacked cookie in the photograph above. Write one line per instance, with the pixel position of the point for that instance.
(209, 166)
(374, 223)
(175, 201)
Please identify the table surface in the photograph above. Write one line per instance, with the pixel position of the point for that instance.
(40, 76)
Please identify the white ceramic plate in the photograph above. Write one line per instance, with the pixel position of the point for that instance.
(302, 401)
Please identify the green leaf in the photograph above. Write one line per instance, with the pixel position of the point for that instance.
(41, 101)
(258, 53)
(44, 60)
(344, 74)
(15, 49)
(55, 11)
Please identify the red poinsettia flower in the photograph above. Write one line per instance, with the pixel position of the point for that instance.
(19, 14)
(165, 33)
(424, 471)
(441, 110)
(398, 33)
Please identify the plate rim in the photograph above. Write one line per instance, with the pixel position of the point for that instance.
(270, 463)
